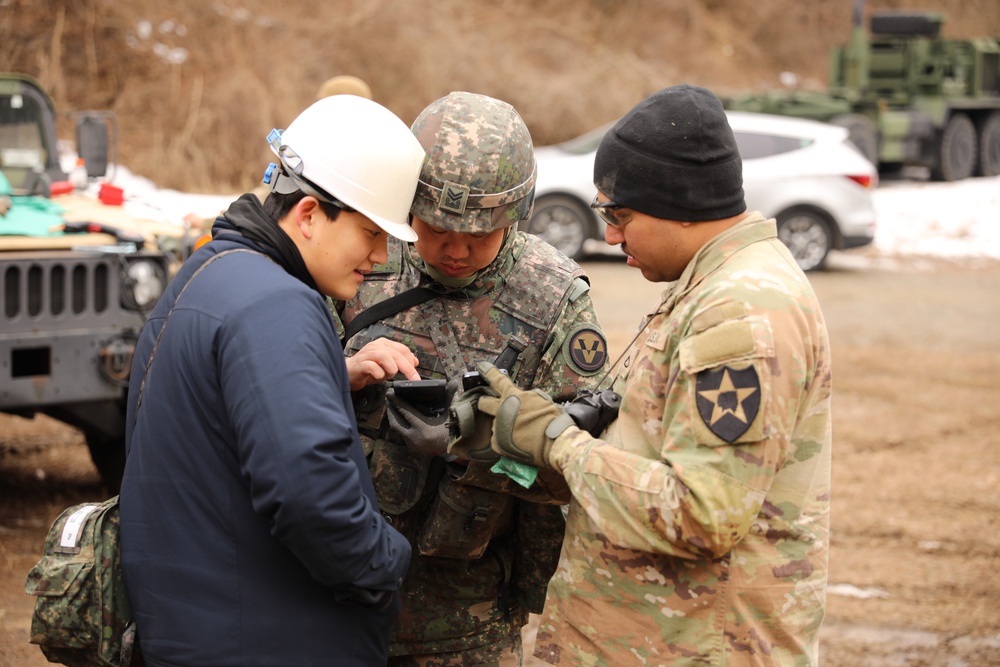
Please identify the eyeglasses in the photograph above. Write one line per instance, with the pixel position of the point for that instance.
(606, 210)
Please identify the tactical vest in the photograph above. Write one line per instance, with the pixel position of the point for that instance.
(512, 307)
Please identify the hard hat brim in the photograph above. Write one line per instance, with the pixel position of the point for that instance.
(400, 230)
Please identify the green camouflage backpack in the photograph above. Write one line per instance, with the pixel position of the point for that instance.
(82, 616)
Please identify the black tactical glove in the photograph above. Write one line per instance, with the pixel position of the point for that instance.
(420, 432)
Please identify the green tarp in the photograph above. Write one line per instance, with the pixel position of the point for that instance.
(32, 216)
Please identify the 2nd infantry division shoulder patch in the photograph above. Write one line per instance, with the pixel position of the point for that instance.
(728, 400)
(587, 350)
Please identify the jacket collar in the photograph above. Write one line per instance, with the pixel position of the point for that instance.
(246, 218)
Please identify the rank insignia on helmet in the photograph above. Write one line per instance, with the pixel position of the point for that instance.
(728, 400)
(587, 349)
(453, 198)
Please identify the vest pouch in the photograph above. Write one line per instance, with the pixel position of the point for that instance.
(399, 477)
(462, 520)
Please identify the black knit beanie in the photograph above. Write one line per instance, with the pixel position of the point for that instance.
(674, 157)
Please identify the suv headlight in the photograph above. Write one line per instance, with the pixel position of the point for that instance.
(143, 281)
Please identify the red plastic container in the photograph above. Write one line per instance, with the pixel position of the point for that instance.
(60, 188)
(111, 195)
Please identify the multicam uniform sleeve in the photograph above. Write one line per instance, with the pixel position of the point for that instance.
(707, 419)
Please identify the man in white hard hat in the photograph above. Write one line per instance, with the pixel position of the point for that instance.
(342, 84)
(250, 529)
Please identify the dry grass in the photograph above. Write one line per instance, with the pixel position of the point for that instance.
(566, 65)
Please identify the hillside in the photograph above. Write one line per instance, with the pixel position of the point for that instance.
(196, 86)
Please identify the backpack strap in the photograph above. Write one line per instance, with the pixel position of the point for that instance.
(383, 309)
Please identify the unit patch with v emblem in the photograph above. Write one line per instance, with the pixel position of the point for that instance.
(586, 350)
(728, 400)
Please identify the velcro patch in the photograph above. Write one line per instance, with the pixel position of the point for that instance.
(724, 343)
(728, 400)
(714, 316)
(453, 198)
(587, 350)
(657, 339)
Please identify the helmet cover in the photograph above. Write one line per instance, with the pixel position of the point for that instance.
(479, 174)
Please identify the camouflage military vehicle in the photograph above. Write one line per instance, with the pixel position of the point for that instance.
(908, 96)
(77, 274)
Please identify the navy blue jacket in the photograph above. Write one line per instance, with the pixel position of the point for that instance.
(249, 521)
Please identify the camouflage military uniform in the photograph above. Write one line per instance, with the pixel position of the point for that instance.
(472, 582)
(699, 528)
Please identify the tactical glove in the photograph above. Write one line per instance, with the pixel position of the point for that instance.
(471, 429)
(420, 432)
(525, 423)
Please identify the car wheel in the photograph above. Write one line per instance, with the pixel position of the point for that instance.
(989, 146)
(807, 236)
(861, 132)
(561, 221)
(956, 156)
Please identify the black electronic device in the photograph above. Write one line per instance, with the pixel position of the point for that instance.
(428, 396)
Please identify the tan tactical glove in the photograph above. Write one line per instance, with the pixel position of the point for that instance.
(524, 422)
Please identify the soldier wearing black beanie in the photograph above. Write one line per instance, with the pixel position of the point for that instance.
(699, 524)
(674, 157)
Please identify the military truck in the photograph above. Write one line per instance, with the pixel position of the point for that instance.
(78, 274)
(907, 95)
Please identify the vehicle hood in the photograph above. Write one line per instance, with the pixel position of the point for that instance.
(36, 223)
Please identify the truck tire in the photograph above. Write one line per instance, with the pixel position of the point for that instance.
(989, 146)
(861, 132)
(956, 155)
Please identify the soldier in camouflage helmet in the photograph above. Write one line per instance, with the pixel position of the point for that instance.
(698, 531)
(484, 546)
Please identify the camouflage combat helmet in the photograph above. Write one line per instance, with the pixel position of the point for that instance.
(479, 174)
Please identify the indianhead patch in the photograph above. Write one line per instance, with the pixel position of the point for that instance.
(728, 400)
(587, 350)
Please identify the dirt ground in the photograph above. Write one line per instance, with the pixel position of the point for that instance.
(915, 548)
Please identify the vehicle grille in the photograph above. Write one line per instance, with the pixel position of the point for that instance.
(56, 288)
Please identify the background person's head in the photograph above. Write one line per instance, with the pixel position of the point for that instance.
(673, 172)
(477, 182)
(346, 175)
(344, 84)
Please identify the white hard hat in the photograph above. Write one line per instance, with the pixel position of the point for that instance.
(352, 151)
